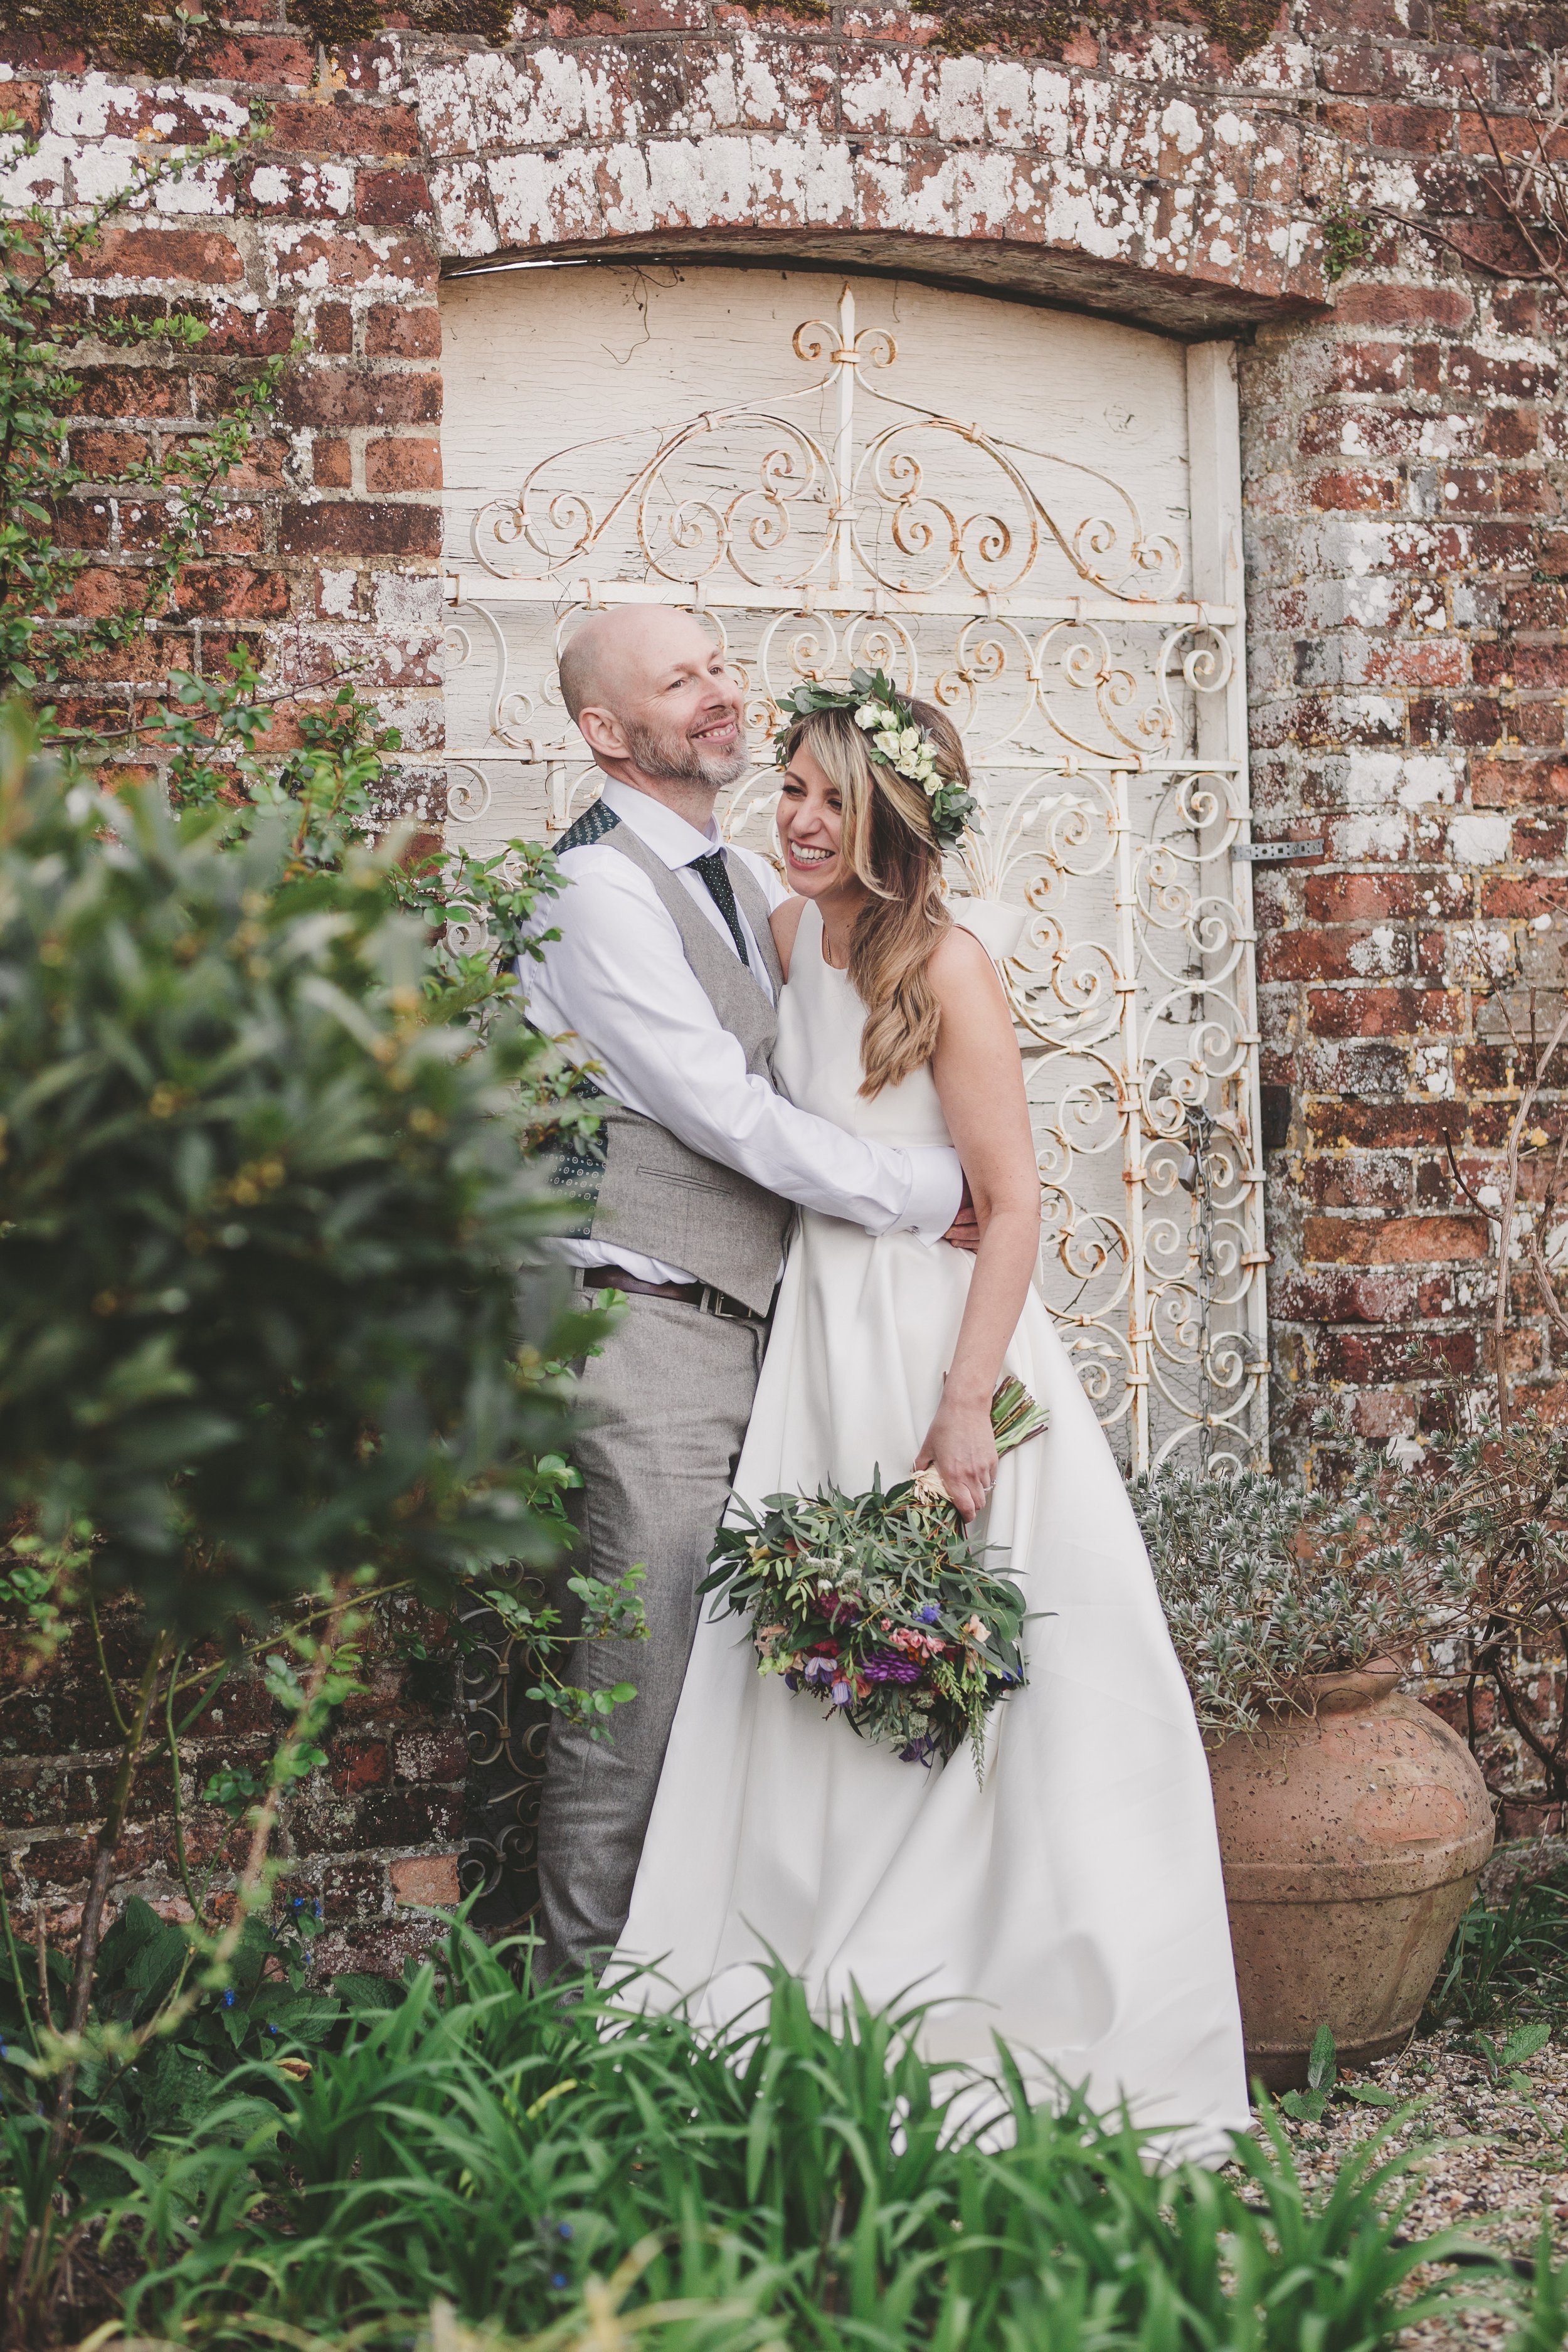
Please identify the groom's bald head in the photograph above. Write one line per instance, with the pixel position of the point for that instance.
(614, 656)
(653, 699)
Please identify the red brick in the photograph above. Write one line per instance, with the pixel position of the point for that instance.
(394, 330)
(1358, 897)
(355, 527)
(358, 1764)
(392, 199)
(1510, 432)
(1412, 129)
(99, 591)
(334, 329)
(426, 1879)
(1353, 490)
(241, 530)
(1403, 306)
(1396, 1241)
(1475, 371)
(250, 334)
(1382, 1298)
(259, 58)
(84, 522)
(331, 463)
(399, 465)
(1362, 1358)
(348, 127)
(198, 257)
(367, 396)
(350, 260)
(1296, 953)
(232, 592)
(1518, 783)
(133, 391)
(1383, 1011)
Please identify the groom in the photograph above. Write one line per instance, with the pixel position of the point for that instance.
(666, 977)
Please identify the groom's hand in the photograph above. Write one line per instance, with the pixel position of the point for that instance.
(964, 1231)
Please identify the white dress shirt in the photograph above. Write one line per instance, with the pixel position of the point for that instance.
(617, 990)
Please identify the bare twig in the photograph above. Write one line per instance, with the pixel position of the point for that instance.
(1506, 1214)
(1529, 191)
(108, 1847)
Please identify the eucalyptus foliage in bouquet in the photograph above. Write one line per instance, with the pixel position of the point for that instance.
(878, 1606)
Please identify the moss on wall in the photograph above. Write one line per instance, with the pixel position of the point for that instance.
(143, 35)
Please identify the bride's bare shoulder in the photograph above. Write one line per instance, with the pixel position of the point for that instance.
(961, 973)
(785, 922)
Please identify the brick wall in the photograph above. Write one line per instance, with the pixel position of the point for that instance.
(318, 239)
(375, 1833)
(1405, 447)
(1405, 462)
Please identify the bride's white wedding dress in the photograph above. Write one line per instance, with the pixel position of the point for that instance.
(1072, 1902)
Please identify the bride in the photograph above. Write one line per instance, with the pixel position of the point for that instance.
(1069, 1901)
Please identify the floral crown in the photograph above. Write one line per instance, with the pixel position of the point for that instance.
(894, 737)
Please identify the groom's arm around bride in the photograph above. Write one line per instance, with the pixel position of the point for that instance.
(666, 976)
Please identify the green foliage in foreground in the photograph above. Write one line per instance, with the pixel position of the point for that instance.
(263, 1212)
(491, 2145)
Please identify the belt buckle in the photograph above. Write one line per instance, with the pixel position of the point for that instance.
(715, 1303)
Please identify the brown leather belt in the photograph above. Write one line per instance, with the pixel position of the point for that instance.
(700, 1295)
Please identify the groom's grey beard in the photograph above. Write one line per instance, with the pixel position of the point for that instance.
(675, 759)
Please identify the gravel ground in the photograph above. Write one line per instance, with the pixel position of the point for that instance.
(1492, 2155)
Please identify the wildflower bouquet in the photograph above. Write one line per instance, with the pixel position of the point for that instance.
(879, 1605)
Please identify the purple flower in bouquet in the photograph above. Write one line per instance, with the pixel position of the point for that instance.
(841, 1694)
(888, 1666)
(820, 1670)
(930, 1614)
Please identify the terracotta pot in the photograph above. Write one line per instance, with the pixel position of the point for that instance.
(1352, 1839)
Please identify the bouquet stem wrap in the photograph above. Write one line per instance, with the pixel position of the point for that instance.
(878, 1606)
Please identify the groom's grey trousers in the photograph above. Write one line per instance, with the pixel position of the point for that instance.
(665, 1410)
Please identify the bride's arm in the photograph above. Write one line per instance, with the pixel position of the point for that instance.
(980, 1080)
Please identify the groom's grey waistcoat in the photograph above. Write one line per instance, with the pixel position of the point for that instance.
(642, 1186)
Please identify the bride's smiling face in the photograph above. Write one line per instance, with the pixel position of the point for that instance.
(811, 826)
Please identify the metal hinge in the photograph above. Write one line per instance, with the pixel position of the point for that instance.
(1275, 853)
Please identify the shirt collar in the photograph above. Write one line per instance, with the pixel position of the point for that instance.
(671, 839)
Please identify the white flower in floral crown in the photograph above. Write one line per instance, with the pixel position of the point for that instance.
(888, 744)
(871, 714)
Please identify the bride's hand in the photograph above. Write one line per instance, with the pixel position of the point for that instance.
(963, 1445)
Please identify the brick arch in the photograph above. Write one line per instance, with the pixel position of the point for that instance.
(1176, 206)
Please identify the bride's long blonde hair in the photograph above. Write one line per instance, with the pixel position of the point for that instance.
(887, 840)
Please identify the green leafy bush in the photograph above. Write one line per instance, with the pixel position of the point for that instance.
(262, 1219)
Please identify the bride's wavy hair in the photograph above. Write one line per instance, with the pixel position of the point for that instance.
(886, 839)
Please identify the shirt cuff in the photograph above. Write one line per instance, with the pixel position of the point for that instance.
(936, 1189)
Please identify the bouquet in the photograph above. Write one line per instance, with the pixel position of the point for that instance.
(878, 1606)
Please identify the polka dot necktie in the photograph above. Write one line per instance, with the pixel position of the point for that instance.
(721, 890)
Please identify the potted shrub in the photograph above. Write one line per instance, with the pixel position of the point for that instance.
(1352, 1821)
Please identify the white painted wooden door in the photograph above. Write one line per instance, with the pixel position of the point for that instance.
(1030, 515)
